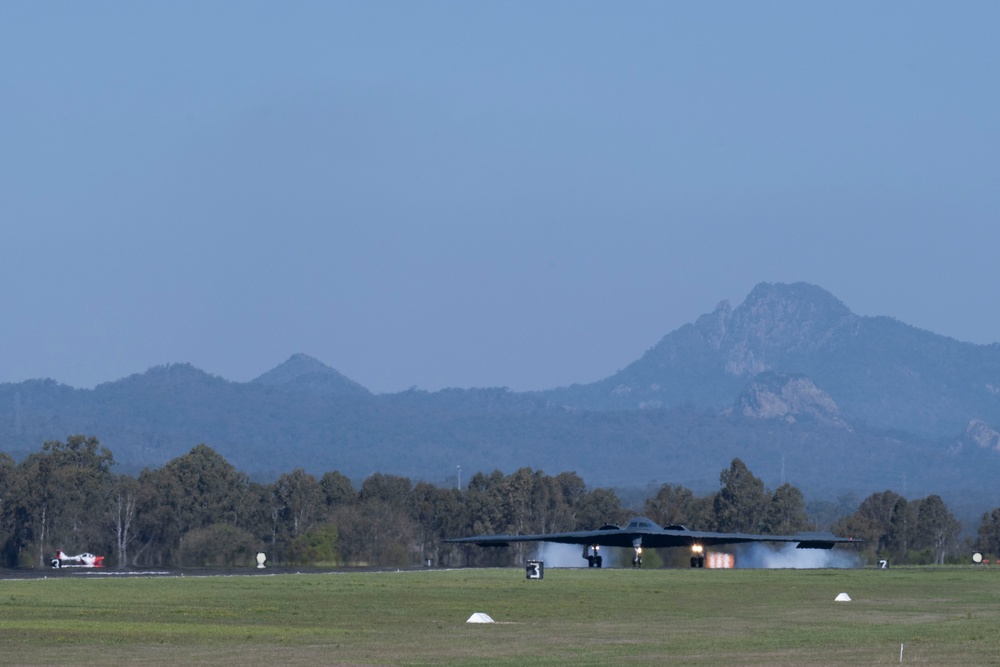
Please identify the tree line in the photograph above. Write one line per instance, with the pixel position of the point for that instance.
(198, 510)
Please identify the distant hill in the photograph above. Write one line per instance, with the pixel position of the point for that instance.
(306, 374)
(790, 380)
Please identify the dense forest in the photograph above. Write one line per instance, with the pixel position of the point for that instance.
(198, 510)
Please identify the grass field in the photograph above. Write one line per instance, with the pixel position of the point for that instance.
(942, 616)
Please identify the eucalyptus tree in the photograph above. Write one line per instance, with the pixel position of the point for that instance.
(437, 514)
(375, 532)
(988, 537)
(300, 502)
(391, 489)
(337, 490)
(676, 504)
(485, 512)
(597, 508)
(11, 491)
(377, 529)
(256, 514)
(899, 537)
(190, 492)
(572, 488)
(740, 503)
(785, 513)
(123, 516)
(66, 499)
(872, 522)
(551, 508)
(937, 528)
(484, 499)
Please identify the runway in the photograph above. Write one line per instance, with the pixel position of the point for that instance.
(154, 572)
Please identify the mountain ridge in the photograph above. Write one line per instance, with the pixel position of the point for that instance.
(790, 374)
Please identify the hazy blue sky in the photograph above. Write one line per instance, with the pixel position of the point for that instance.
(480, 194)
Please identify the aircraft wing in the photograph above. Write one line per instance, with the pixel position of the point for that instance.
(604, 538)
(707, 539)
(641, 532)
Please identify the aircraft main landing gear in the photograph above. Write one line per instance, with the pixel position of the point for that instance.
(697, 555)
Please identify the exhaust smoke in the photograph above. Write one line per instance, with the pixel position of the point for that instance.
(763, 557)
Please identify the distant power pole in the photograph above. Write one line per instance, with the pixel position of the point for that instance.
(459, 477)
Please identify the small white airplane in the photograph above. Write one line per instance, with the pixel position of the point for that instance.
(79, 560)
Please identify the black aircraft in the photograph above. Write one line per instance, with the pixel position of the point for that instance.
(641, 532)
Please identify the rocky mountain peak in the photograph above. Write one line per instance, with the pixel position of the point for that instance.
(788, 397)
(775, 320)
(789, 316)
(982, 435)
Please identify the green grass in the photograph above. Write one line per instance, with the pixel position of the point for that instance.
(585, 617)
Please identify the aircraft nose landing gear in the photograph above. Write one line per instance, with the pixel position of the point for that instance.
(593, 559)
(637, 558)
